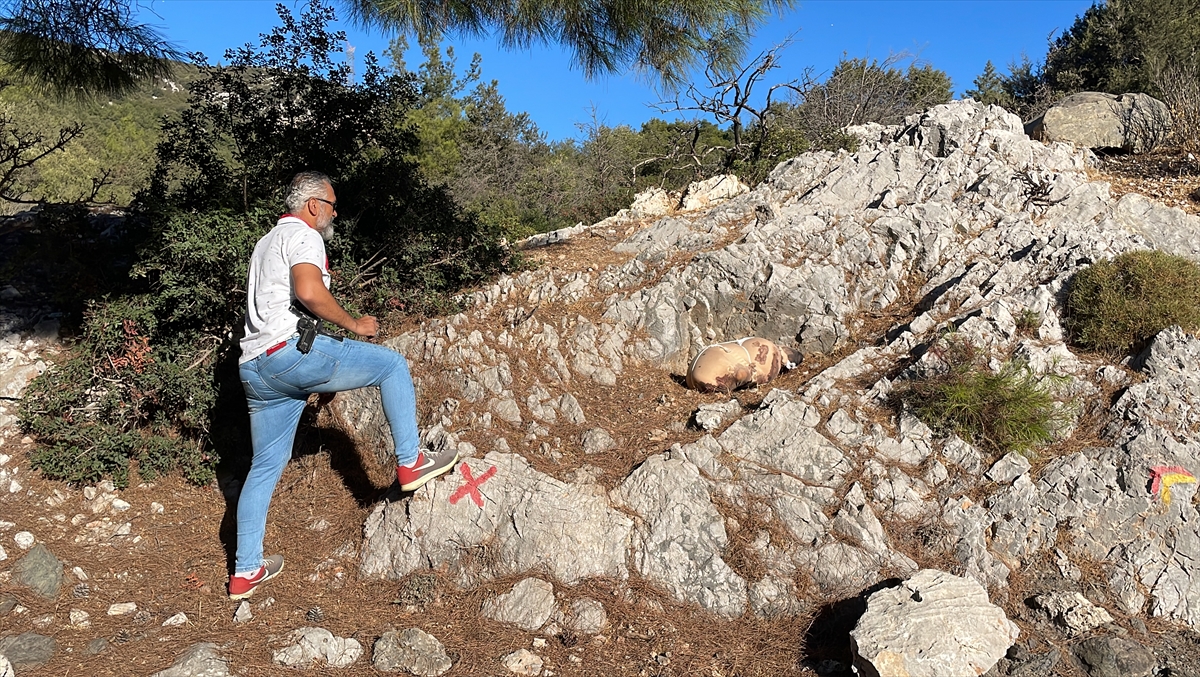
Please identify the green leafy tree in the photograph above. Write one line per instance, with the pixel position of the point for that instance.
(156, 365)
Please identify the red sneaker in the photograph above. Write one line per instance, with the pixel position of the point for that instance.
(242, 586)
(428, 466)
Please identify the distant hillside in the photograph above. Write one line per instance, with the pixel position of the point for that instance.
(119, 137)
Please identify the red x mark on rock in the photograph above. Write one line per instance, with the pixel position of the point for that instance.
(472, 485)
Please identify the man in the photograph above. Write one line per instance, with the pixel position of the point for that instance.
(278, 374)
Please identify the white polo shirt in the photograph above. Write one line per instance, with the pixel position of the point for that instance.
(269, 291)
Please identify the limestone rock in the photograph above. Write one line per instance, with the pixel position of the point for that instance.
(1115, 657)
(413, 651)
(200, 660)
(1129, 122)
(14, 380)
(528, 605)
(529, 520)
(308, 646)
(931, 625)
(585, 616)
(40, 571)
(653, 202)
(6, 668)
(27, 650)
(1073, 611)
(522, 662)
(711, 191)
(709, 417)
(596, 440)
(679, 539)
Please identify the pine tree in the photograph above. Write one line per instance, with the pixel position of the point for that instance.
(90, 46)
(989, 87)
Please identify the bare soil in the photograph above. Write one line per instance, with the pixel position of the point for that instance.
(178, 561)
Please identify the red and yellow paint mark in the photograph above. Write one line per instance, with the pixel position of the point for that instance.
(1165, 476)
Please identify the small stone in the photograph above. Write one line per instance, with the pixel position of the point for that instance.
(539, 642)
(1073, 611)
(80, 618)
(522, 662)
(266, 603)
(40, 571)
(528, 605)
(79, 573)
(310, 645)
(596, 440)
(178, 619)
(119, 505)
(24, 540)
(7, 604)
(14, 487)
(157, 508)
(97, 645)
(243, 612)
(122, 608)
(1008, 468)
(200, 660)
(413, 651)
(1115, 657)
(28, 650)
(5, 526)
(44, 621)
(319, 525)
(3, 554)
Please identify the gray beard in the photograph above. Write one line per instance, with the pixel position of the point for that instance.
(327, 232)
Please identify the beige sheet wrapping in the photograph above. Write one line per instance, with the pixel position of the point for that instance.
(724, 367)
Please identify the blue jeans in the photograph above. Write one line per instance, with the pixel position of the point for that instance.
(277, 386)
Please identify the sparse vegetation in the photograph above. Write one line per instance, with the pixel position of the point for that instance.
(1028, 322)
(1012, 409)
(1117, 305)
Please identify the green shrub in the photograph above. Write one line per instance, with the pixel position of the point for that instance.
(152, 381)
(1013, 409)
(1119, 304)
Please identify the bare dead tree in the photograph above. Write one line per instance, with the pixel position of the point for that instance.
(1179, 84)
(732, 97)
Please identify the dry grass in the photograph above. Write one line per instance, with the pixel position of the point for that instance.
(1165, 175)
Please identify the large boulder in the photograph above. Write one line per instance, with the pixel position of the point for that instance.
(932, 625)
(1133, 123)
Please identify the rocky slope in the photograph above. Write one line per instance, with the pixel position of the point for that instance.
(957, 210)
(590, 474)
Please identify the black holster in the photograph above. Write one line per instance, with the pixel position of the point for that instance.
(308, 325)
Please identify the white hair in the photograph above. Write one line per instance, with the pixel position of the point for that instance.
(305, 186)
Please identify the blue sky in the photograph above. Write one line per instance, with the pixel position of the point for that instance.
(957, 36)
